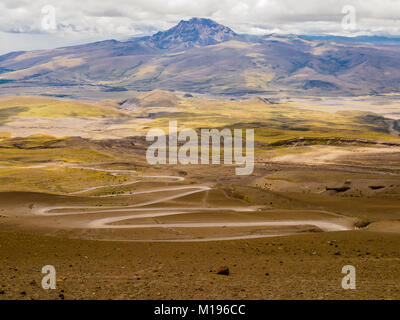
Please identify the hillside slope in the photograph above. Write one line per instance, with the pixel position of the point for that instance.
(203, 56)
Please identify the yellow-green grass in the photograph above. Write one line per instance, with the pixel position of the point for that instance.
(43, 148)
(258, 80)
(51, 108)
(33, 141)
(5, 135)
(46, 155)
(275, 122)
(55, 179)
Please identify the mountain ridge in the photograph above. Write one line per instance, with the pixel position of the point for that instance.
(192, 33)
(200, 55)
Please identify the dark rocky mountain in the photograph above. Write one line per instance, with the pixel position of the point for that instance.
(203, 56)
(193, 33)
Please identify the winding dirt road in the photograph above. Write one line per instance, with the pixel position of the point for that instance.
(141, 210)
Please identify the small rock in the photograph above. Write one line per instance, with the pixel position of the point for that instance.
(223, 271)
(376, 187)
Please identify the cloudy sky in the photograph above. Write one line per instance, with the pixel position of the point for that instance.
(42, 24)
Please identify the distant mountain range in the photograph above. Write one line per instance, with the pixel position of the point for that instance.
(202, 56)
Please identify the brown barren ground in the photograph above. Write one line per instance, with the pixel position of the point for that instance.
(306, 264)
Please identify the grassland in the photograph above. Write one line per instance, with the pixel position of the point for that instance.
(51, 108)
(44, 149)
(275, 123)
(53, 179)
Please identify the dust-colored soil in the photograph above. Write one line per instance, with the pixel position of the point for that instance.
(118, 258)
(298, 267)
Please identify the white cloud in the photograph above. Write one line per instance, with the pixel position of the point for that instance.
(125, 18)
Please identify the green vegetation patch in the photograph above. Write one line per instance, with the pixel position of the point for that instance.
(6, 113)
(54, 179)
(278, 122)
(51, 108)
(43, 148)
